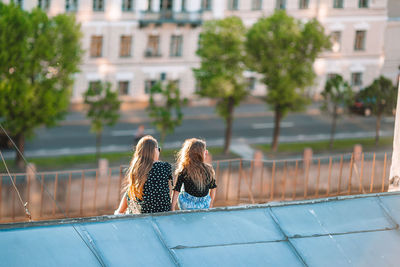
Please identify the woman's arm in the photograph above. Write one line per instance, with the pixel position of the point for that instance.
(122, 206)
(212, 195)
(175, 195)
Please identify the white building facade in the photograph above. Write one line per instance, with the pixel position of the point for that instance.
(133, 43)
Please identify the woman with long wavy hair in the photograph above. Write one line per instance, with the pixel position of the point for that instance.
(147, 181)
(196, 176)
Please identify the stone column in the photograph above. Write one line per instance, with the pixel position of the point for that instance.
(394, 177)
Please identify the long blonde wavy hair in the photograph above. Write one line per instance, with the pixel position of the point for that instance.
(140, 166)
(191, 160)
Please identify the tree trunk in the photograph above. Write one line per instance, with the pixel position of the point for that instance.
(228, 129)
(333, 127)
(377, 128)
(162, 137)
(98, 145)
(19, 160)
(277, 123)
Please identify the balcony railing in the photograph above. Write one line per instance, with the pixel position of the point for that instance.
(169, 16)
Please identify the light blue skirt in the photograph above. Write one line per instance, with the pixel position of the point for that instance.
(189, 202)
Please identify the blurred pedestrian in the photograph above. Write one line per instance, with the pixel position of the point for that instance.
(195, 186)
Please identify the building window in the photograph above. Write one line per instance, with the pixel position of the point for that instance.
(359, 43)
(153, 46)
(206, 4)
(149, 5)
(356, 79)
(96, 46)
(233, 4)
(166, 5)
(363, 3)
(303, 4)
(95, 85)
(280, 4)
(176, 46)
(256, 4)
(123, 88)
(127, 5)
(98, 5)
(330, 76)
(336, 39)
(184, 5)
(251, 83)
(337, 3)
(71, 5)
(125, 46)
(44, 4)
(148, 84)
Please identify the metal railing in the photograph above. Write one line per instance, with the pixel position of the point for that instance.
(83, 193)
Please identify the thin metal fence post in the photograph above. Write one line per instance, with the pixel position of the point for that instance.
(295, 180)
(82, 192)
(240, 181)
(119, 185)
(262, 180)
(68, 193)
(318, 177)
(95, 191)
(41, 196)
(108, 187)
(350, 174)
(228, 181)
(284, 180)
(1, 196)
(306, 178)
(272, 180)
(371, 187)
(384, 173)
(328, 190)
(13, 200)
(361, 187)
(55, 194)
(340, 175)
(28, 193)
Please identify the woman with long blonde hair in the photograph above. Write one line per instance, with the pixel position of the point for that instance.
(195, 175)
(147, 180)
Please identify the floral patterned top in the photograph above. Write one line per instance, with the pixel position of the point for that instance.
(156, 196)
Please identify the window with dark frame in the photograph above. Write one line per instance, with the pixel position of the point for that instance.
(336, 39)
(337, 3)
(363, 3)
(44, 4)
(280, 4)
(206, 5)
(176, 46)
(356, 79)
(127, 5)
(256, 4)
(233, 4)
(125, 46)
(359, 43)
(123, 88)
(330, 76)
(184, 7)
(71, 5)
(303, 4)
(96, 46)
(98, 5)
(149, 5)
(153, 46)
(148, 84)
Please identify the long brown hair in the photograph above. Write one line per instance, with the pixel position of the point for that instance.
(140, 166)
(191, 160)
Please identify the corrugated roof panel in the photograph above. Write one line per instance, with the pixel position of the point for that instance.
(44, 246)
(392, 204)
(224, 227)
(379, 248)
(264, 254)
(130, 242)
(332, 217)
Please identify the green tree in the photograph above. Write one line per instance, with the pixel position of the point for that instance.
(283, 50)
(165, 106)
(337, 93)
(220, 75)
(381, 95)
(103, 109)
(38, 57)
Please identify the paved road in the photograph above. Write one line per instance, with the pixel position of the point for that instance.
(253, 124)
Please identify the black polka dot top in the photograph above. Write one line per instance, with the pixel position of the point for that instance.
(156, 196)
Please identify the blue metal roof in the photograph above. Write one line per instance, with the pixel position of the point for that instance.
(344, 231)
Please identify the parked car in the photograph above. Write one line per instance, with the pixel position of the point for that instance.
(362, 106)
